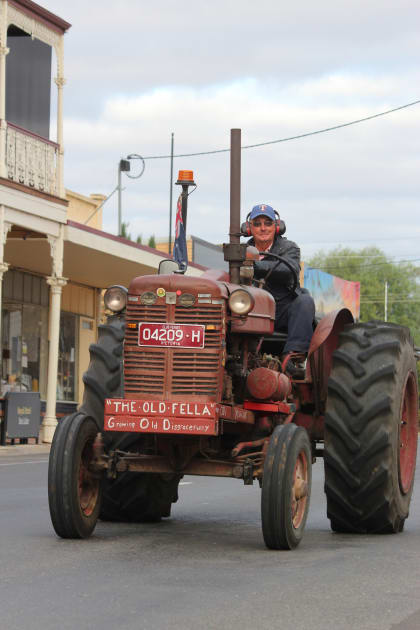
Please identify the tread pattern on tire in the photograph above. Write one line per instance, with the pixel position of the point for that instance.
(361, 428)
(63, 498)
(286, 443)
(103, 378)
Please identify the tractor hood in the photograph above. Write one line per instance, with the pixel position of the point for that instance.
(187, 291)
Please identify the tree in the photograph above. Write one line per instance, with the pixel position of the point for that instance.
(124, 230)
(125, 234)
(152, 241)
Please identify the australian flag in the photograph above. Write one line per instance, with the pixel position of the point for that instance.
(180, 245)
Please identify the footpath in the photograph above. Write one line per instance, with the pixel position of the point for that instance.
(12, 450)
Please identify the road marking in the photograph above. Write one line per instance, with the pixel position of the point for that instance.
(38, 461)
(185, 483)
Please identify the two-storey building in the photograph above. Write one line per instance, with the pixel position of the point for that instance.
(54, 257)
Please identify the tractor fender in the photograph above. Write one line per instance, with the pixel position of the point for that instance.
(324, 342)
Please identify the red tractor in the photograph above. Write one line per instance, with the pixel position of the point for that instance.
(185, 379)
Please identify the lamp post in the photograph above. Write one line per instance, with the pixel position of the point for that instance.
(124, 166)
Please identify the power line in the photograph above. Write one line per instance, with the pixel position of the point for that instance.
(393, 296)
(389, 300)
(393, 262)
(363, 240)
(363, 255)
(301, 135)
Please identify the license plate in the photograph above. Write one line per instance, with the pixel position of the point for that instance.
(171, 335)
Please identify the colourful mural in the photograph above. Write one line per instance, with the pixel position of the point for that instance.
(331, 293)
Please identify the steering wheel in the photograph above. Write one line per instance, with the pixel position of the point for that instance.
(280, 260)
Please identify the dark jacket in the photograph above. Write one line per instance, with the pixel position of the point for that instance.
(280, 282)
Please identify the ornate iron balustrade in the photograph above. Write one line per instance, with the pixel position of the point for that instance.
(31, 160)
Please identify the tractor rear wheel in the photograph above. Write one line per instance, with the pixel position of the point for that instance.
(74, 493)
(286, 487)
(135, 497)
(371, 426)
(103, 378)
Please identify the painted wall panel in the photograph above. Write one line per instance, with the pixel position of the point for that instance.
(331, 293)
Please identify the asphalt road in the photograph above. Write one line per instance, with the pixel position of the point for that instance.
(205, 568)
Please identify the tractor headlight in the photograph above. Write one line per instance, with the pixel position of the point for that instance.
(241, 302)
(115, 298)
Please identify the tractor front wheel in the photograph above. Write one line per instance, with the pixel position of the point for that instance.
(371, 427)
(286, 487)
(74, 492)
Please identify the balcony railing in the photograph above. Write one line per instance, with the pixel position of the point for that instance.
(31, 160)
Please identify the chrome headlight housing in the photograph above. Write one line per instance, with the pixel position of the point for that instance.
(115, 298)
(241, 302)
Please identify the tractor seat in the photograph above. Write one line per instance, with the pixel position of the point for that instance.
(274, 343)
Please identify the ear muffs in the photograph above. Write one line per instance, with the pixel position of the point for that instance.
(280, 226)
(245, 227)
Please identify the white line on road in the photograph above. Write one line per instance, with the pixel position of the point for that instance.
(185, 483)
(38, 461)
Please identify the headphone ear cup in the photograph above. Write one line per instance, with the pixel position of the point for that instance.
(281, 227)
(245, 229)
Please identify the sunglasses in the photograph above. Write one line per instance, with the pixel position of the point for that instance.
(265, 222)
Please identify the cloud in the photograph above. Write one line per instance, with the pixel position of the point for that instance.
(131, 48)
(136, 73)
(325, 184)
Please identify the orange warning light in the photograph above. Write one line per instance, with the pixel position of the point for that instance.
(186, 178)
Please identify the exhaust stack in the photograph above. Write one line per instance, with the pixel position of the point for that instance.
(235, 252)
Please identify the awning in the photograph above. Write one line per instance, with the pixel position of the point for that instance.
(91, 257)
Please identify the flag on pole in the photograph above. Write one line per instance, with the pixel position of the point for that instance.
(180, 244)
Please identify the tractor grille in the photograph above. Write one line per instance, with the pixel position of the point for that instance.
(144, 372)
(172, 373)
(194, 374)
(209, 315)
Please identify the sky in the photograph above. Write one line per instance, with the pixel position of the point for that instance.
(138, 71)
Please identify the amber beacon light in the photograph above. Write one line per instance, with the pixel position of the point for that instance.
(186, 177)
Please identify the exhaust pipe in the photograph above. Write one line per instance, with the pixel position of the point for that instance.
(235, 252)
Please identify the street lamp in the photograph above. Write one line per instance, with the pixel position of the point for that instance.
(124, 166)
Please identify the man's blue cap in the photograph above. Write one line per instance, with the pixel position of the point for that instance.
(262, 210)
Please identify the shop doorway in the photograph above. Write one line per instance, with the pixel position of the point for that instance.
(66, 375)
(24, 348)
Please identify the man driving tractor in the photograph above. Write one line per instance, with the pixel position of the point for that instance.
(295, 309)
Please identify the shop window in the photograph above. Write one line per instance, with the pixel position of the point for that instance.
(66, 381)
(24, 348)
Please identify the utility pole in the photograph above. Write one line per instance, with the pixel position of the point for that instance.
(123, 165)
(171, 180)
(386, 301)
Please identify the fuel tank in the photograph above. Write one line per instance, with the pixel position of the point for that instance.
(265, 384)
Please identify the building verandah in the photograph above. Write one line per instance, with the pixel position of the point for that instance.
(53, 277)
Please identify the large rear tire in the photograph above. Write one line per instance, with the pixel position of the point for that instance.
(139, 497)
(103, 378)
(286, 487)
(371, 427)
(135, 497)
(74, 493)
